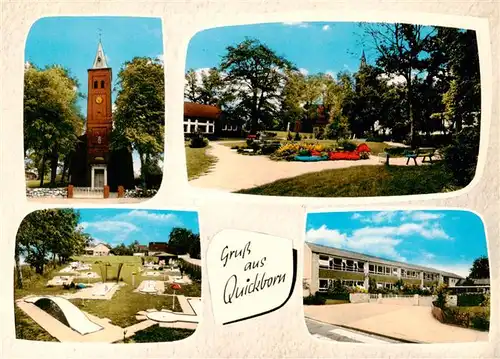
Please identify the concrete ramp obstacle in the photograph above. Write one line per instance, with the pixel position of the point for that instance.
(76, 319)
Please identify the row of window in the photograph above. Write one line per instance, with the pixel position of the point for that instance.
(347, 265)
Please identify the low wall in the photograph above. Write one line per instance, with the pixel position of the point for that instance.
(359, 298)
(46, 192)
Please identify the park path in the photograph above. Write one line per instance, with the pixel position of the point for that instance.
(234, 171)
(411, 323)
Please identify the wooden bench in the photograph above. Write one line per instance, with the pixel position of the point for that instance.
(424, 152)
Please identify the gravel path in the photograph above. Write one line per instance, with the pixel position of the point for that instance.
(233, 171)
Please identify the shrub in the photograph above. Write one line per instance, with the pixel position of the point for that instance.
(297, 137)
(460, 157)
(198, 141)
(235, 147)
(441, 296)
(289, 136)
(269, 148)
(270, 134)
(470, 300)
(316, 299)
(347, 145)
(364, 155)
(250, 142)
(480, 321)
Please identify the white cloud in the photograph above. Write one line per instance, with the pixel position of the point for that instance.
(421, 216)
(150, 216)
(330, 73)
(303, 71)
(378, 217)
(326, 27)
(110, 226)
(296, 23)
(376, 244)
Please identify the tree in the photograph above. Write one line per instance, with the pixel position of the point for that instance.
(191, 89)
(480, 268)
(257, 75)
(50, 234)
(401, 51)
(139, 117)
(181, 241)
(52, 119)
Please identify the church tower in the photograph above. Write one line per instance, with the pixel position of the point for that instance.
(363, 60)
(99, 119)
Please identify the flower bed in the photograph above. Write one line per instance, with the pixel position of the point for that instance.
(307, 152)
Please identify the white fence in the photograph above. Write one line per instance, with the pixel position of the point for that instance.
(88, 192)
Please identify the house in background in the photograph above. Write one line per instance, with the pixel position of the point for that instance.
(207, 120)
(99, 249)
(323, 265)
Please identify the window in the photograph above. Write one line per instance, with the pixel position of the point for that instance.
(371, 268)
(323, 284)
(387, 270)
(95, 84)
(185, 128)
(102, 84)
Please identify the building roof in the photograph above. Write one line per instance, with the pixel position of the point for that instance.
(192, 109)
(100, 58)
(317, 248)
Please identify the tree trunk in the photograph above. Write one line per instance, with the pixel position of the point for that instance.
(143, 169)
(54, 161)
(65, 168)
(39, 269)
(42, 170)
(410, 109)
(19, 275)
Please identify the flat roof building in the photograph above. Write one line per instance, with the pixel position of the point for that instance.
(323, 265)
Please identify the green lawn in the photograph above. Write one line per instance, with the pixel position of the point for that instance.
(360, 181)
(198, 162)
(28, 329)
(46, 184)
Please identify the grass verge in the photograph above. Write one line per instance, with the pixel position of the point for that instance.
(360, 181)
(198, 162)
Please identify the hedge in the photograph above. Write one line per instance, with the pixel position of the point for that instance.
(336, 296)
(470, 300)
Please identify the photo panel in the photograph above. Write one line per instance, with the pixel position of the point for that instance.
(94, 109)
(107, 275)
(332, 109)
(411, 276)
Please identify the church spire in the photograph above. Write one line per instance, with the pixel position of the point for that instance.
(363, 59)
(100, 58)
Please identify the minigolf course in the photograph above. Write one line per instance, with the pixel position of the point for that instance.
(77, 320)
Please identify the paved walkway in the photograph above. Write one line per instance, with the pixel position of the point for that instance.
(411, 323)
(331, 332)
(234, 171)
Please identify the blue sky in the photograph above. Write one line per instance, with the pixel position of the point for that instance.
(116, 226)
(327, 47)
(446, 240)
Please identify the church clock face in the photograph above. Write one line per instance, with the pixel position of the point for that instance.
(98, 99)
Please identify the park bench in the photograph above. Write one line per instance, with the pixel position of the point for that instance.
(424, 152)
